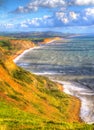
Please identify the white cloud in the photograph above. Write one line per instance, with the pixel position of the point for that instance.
(85, 18)
(89, 11)
(67, 17)
(65, 20)
(23, 25)
(62, 17)
(73, 15)
(33, 22)
(46, 20)
(52, 3)
(63, 9)
(21, 9)
(34, 5)
(84, 2)
(8, 25)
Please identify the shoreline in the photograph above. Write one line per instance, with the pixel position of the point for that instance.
(17, 57)
(27, 50)
(81, 92)
(22, 52)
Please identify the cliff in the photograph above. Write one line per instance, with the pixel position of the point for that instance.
(49, 40)
(28, 101)
(20, 45)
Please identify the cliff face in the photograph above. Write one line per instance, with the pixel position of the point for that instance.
(48, 40)
(31, 101)
(20, 45)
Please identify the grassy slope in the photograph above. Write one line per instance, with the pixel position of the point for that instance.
(30, 101)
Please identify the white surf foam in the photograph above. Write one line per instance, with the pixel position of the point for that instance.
(85, 95)
(45, 73)
(26, 51)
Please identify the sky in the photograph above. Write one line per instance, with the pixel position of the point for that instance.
(68, 16)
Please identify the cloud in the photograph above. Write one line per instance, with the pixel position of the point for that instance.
(72, 18)
(23, 25)
(67, 18)
(61, 18)
(84, 2)
(45, 21)
(26, 9)
(73, 15)
(9, 25)
(89, 12)
(6, 25)
(53, 3)
(88, 16)
(34, 5)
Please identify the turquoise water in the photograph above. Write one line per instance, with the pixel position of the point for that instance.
(70, 62)
(73, 60)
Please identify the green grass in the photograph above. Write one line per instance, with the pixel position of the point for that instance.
(21, 75)
(12, 118)
(6, 44)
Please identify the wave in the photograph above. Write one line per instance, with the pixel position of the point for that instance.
(45, 73)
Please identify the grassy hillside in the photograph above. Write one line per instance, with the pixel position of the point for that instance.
(33, 102)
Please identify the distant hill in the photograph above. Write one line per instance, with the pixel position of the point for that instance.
(33, 34)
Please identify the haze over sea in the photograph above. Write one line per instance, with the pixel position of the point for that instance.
(70, 62)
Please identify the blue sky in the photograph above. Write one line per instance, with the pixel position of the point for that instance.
(69, 16)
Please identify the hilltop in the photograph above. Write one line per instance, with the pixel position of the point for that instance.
(33, 102)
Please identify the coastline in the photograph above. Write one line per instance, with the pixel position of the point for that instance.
(81, 92)
(22, 52)
(76, 99)
(17, 57)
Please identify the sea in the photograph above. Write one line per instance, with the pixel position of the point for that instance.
(69, 61)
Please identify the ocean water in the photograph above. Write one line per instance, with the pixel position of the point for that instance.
(70, 62)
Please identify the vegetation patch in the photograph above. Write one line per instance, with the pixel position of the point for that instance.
(6, 45)
(16, 119)
(22, 75)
